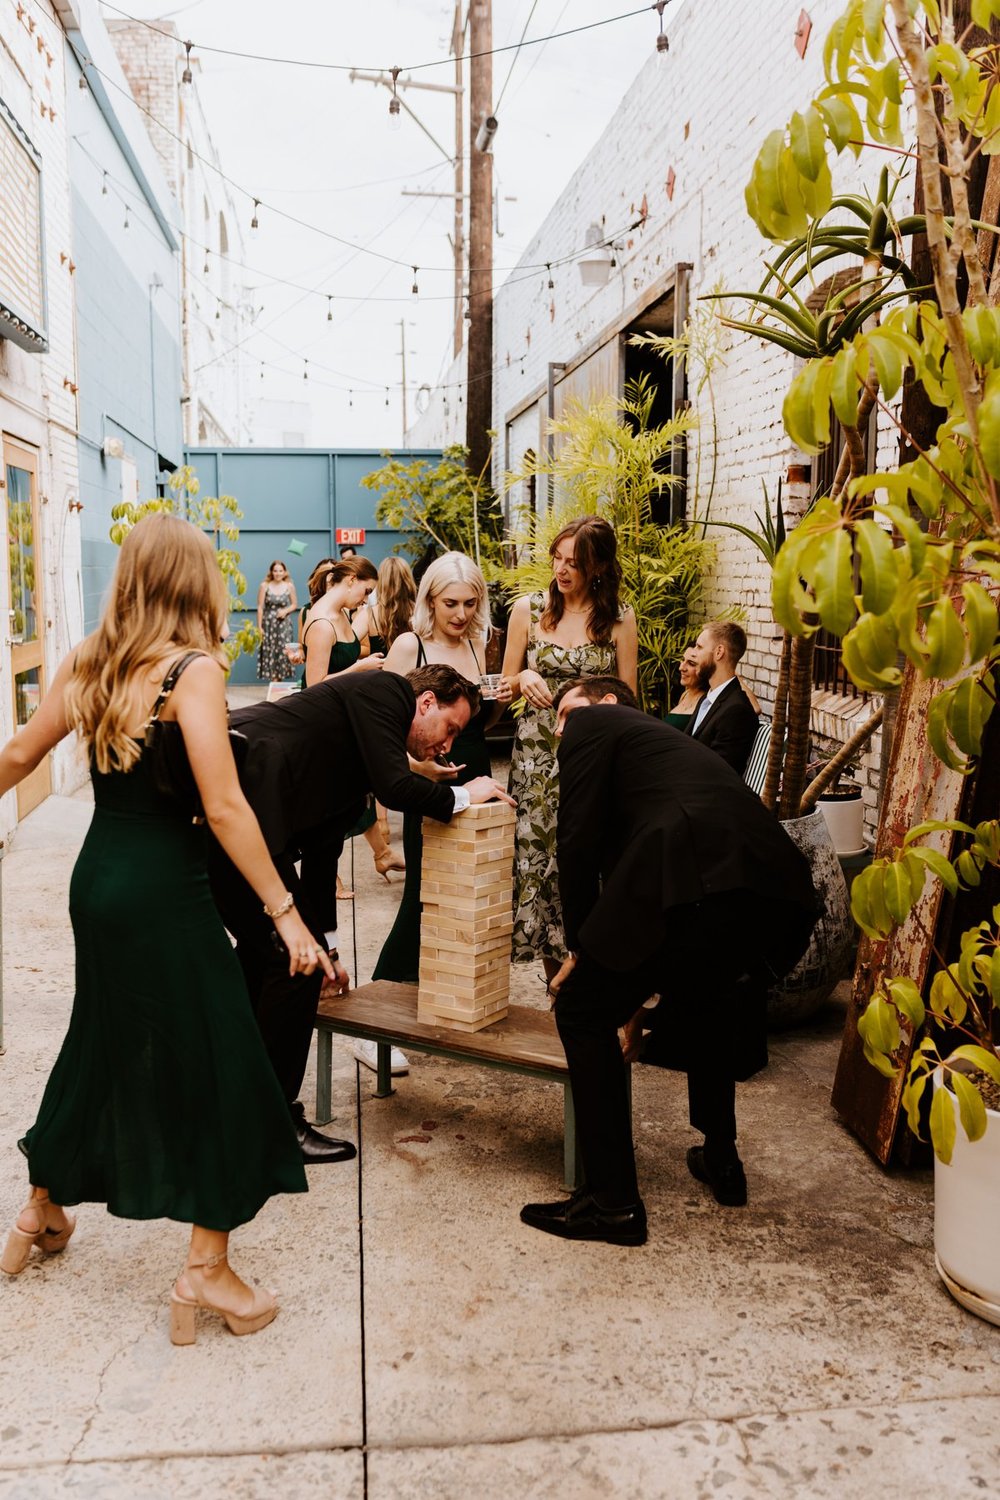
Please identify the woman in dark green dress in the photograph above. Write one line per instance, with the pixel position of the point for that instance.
(691, 693)
(162, 1102)
(450, 628)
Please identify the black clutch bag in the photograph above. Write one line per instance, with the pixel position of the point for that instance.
(166, 753)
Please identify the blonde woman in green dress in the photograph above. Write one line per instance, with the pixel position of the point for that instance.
(577, 629)
(162, 1103)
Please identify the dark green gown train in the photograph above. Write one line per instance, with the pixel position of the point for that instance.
(162, 1102)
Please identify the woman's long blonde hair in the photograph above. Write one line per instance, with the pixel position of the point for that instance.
(453, 567)
(167, 596)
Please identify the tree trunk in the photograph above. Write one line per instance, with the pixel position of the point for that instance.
(779, 719)
(797, 749)
(836, 763)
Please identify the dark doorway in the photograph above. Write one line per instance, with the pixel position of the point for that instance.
(643, 363)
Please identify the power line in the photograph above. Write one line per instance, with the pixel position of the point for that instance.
(513, 61)
(307, 62)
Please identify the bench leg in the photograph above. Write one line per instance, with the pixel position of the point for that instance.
(572, 1165)
(324, 1071)
(383, 1071)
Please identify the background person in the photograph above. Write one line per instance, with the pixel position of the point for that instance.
(578, 629)
(329, 639)
(450, 628)
(162, 1103)
(276, 603)
(387, 615)
(725, 720)
(680, 715)
(674, 878)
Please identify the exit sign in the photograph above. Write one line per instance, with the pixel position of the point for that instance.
(350, 536)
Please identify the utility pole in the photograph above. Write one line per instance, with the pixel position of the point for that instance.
(402, 353)
(479, 391)
(458, 233)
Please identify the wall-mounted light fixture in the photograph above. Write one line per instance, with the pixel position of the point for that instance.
(486, 132)
(595, 264)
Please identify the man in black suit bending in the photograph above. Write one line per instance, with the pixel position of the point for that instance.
(725, 719)
(674, 880)
(308, 763)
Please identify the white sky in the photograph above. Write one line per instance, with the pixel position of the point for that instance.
(319, 146)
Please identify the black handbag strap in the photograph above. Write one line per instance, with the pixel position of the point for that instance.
(169, 683)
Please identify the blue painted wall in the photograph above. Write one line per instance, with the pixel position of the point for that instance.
(301, 493)
(128, 332)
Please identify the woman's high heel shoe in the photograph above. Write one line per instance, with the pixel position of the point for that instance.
(387, 861)
(190, 1293)
(19, 1241)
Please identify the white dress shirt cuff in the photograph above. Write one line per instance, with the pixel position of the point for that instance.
(462, 798)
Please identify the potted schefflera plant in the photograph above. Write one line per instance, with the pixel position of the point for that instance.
(904, 565)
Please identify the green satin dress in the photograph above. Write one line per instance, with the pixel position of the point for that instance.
(400, 956)
(678, 721)
(162, 1102)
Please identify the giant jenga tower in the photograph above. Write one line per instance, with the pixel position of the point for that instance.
(466, 887)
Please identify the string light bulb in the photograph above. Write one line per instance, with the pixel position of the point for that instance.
(395, 118)
(218, 311)
(305, 369)
(548, 268)
(387, 395)
(82, 81)
(254, 226)
(414, 288)
(329, 309)
(262, 369)
(126, 224)
(104, 186)
(350, 398)
(662, 40)
(204, 269)
(186, 75)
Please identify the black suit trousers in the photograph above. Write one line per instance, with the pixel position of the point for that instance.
(284, 1004)
(701, 979)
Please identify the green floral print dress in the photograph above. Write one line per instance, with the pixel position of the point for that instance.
(534, 783)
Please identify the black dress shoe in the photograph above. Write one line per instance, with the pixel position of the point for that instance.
(318, 1148)
(581, 1218)
(727, 1181)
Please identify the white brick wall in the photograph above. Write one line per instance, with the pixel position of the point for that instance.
(37, 404)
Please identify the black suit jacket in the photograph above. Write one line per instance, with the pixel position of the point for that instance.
(729, 727)
(650, 820)
(311, 759)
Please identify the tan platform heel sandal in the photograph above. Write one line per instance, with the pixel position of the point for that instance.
(19, 1241)
(183, 1307)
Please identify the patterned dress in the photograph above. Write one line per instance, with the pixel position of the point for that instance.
(275, 635)
(534, 783)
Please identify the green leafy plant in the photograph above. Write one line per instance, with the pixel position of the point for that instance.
(925, 538)
(219, 516)
(609, 459)
(440, 506)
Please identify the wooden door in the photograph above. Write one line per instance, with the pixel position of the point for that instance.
(26, 611)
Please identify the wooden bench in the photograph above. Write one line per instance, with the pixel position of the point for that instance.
(526, 1041)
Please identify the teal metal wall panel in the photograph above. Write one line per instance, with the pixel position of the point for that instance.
(301, 496)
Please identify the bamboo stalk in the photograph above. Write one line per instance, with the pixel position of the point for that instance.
(836, 763)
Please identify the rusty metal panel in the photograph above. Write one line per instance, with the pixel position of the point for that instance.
(917, 786)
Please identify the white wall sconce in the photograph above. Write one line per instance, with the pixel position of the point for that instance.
(596, 262)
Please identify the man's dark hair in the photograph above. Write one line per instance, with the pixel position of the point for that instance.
(596, 688)
(727, 633)
(446, 684)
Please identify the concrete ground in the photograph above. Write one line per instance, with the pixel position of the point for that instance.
(431, 1346)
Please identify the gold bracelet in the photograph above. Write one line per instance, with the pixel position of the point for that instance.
(279, 911)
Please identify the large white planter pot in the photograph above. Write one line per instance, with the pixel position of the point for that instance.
(967, 1217)
(845, 818)
(823, 964)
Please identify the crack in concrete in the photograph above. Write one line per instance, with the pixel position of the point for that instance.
(96, 1411)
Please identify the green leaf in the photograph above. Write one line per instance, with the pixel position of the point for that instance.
(937, 734)
(939, 866)
(842, 121)
(808, 142)
(806, 408)
(877, 557)
(833, 582)
(878, 1027)
(888, 363)
(906, 997)
(969, 708)
(971, 1108)
(869, 653)
(987, 1062)
(844, 386)
(942, 1124)
(983, 11)
(912, 1095)
(981, 621)
(989, 432)
(945, 640)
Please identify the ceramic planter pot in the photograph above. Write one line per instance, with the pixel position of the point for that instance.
(967, 1217)
(844, 812)
(824, 962)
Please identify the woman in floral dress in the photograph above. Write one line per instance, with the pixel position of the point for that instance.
(276, 603)
(577, 629)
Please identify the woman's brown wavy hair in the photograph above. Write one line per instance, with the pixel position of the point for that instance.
(596, 556)
(167, 596)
